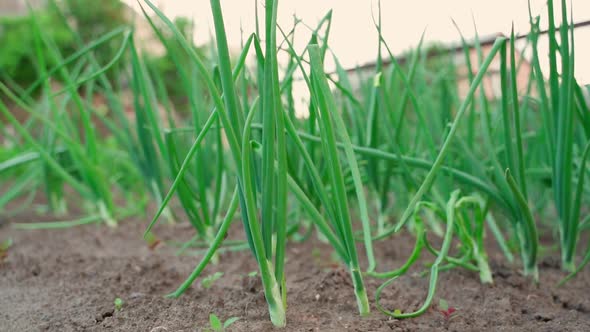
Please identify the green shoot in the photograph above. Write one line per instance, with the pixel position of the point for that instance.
(118, 304)
(208, 281)
(215, 323)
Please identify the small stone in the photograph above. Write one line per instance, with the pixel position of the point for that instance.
(544, 317)
(106, 313)
(44, 327)
(136, 295)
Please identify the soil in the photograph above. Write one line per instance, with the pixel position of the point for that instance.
(67, 280)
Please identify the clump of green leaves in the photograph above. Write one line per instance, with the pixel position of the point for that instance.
(89, 18)
(167, 68)
(18, 64)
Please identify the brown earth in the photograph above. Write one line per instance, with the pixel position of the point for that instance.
(67, 280)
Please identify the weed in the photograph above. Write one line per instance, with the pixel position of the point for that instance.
(208, 281)
(118, 304)
(215, 324)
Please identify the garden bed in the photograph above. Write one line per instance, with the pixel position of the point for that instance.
(67, 280)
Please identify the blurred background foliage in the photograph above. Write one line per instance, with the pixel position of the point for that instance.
(69, 24)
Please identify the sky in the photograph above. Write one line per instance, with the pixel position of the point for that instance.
(353, 36)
